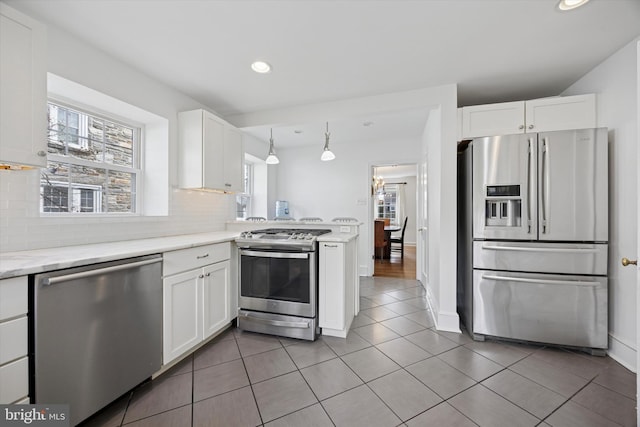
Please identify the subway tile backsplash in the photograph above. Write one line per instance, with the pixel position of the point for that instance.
(22, 227)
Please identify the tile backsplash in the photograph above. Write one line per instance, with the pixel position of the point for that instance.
(23, 228)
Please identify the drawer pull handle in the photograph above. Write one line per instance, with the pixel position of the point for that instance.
(540, 281)
(532, 249)
(202, 256)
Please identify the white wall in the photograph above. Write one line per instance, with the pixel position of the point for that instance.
(615, 83)
(341, 187)
(21, 226)
(337, 182)
(439, 149)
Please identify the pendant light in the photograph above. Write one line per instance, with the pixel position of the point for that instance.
(326, 153)
(570, 4)
(272, 159)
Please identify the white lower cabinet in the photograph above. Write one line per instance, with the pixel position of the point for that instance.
(196, 301)
(14, 382)
(215, 298)
(338, 287)
(182, 320)
(14, 363)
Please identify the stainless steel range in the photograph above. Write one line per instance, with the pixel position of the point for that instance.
(279, 281)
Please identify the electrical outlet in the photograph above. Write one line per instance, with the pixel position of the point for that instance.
(345, 229)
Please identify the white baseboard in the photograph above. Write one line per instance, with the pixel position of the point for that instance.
(623, 353)
(445, 321)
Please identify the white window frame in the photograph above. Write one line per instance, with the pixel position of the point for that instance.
(247, 187)
(136, 171)
(76, 203)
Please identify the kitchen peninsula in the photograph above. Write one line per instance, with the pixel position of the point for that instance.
(338, 295)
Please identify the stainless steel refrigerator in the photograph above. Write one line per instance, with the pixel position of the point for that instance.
(533, 233)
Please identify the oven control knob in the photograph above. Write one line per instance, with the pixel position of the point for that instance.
(309, 236)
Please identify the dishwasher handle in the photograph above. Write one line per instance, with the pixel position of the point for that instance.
(48, 281)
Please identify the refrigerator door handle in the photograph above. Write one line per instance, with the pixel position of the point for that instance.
(541, 281)
(543, 186)
(532, 249)
(529, 154)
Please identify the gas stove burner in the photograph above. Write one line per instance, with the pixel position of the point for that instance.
(272, 238)
(283, 233)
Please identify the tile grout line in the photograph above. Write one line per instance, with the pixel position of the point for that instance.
(193, 386)
(255, 401)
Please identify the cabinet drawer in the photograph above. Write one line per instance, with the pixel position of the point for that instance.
(548, 308)
(13, 336)
(13, 297)
(188, 259)
(14, 381)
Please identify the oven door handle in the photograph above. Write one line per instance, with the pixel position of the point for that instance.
(281, 323)
(266, 254)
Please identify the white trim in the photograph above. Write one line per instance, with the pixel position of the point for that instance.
(445, 321)
(622, 352)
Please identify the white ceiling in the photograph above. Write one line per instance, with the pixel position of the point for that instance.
(322, 51)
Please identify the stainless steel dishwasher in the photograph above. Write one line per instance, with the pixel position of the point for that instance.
(96, 332)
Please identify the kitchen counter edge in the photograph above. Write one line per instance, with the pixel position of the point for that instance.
(13, 264)
(337, 237)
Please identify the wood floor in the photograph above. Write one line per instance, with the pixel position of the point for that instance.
(404, 268)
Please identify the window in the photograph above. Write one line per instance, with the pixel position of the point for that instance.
(386, 206)
(243, 200)
(93, 163)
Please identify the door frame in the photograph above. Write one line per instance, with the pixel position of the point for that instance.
(369, 225)
(638, 231)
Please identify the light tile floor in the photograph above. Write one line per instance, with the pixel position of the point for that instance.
(394, 369)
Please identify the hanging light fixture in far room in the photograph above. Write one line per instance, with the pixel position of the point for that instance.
(272, 159)
(326, 153)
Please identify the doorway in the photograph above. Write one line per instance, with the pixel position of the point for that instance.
(394, 201)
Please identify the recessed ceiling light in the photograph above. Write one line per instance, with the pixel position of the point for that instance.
(298, 131)
(571, 4)
(367, 124)
(261, 67)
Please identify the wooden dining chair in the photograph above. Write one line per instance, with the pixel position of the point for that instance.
(380, 243)
(399, 240)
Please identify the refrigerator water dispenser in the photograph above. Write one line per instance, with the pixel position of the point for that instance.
(503, 206)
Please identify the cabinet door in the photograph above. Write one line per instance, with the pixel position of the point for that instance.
(13, 336)
(493, 119)
(331, 287)
(14, 381)
(233, 159)
(182, 317)
(213, 152)
(561, 113)
(23, 85)
(215, 301)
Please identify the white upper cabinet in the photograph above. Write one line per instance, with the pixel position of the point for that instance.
(211, 152)
(23, 85)
(562, 113)
(233, 159)
(493, 119)
(537, 115)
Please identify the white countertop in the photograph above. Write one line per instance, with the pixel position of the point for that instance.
(36, 261)
(337, 237)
